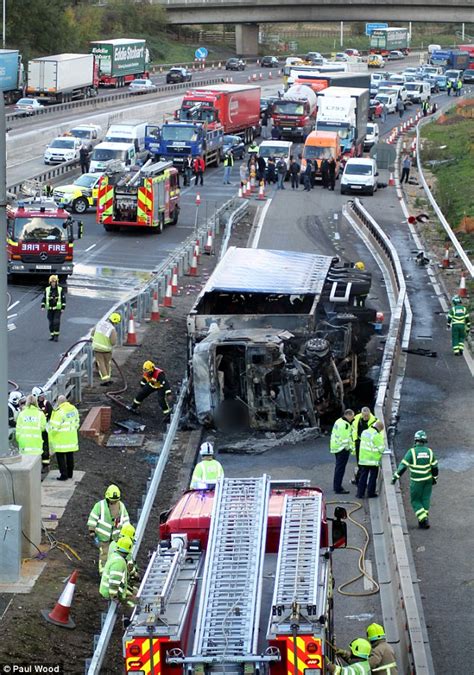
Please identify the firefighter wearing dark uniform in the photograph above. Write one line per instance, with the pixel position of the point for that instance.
(54, 301)
(153, 379)
(459, 321)
(47, 407)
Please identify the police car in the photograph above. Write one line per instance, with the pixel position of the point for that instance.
(80, 195)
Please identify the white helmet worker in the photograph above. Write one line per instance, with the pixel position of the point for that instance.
(206, 449)
(37, 391)
(15, 397)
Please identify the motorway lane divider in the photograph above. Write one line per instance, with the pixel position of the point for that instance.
(50, 174)
(401, 601)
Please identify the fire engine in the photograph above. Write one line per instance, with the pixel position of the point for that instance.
(40, 238)
(147, 198)
(246, 569)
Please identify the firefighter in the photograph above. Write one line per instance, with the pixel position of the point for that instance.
(372, 445)
(459, 321)
(15, 402)
(361, 422)
(341, 445)
(127, 530)
(62, 435)
(30, 425)
(47, 408)
(153, 379)
(358, 658)
(54, 301)
(104, 339)
(423, 466)
(208, 470)
(106, 520)
(114, 579)
(382, 657)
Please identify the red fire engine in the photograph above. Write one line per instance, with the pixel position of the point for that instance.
(40, 238)
(248, 568)
(145, 198)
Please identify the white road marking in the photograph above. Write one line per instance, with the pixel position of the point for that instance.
(261, 220)
(90, 248)
(14, 305)
(368, 585)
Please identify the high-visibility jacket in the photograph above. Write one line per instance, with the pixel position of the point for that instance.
(421, 463)
(207, 471)
(359, 668)
(104, 337)
(382, 659)
(63, 426)
(131, 564)
(458, 314)
(53, 299)
(356, 424)
(341, 436)
(104, 525)
(113, 583)
(372, 445)
(229, 159)
(30, 424)
(156, 379)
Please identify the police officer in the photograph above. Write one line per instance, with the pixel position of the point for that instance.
(63, 439)
(30, 425)
(341, 446)
(228, 164)
(54, 301)
(459, 321)
(104, 339)
(153, 379)
(372, 445)
(208, 470)
(361, 422)
(423, 466)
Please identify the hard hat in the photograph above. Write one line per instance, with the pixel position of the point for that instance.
(125, 545)
(421, 436)
(53, 277)
(375, 632)
(112, 493)
(456, 300)
(361, 648)
(37, 391)
(206, 449)
(15, 397)
(115, 317)
(127, 530)
(359, 265)
(148, 366)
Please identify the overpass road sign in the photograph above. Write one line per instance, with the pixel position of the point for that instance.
(369, 27)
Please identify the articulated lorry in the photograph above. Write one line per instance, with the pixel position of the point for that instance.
(120, 61)
(176, 141)
(294, 114)
(62, 77)
(234, 107)
(385, 40)
(12, 75)
(345, 110)
(453, 59)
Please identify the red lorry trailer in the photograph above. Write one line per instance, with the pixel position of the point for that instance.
(221, 573)
(235, 106)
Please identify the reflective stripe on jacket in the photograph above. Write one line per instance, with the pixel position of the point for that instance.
(459, 315)
(382, 658)
(63, 427)
(104, 337)
(359, 668)
(113, 583)
(60, 301)
(372, 445)
(341, 436)
(421, 463)
(30, 424)
(207, 471)
(156, 379)
(104, 525)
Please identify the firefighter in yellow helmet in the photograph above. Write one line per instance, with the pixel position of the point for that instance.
(114, 579)
(54, 302)
(357, 657)
(360, 266)
(104, 339)
(127, 530)
(106, 520)
(382, 657)
(153, 379)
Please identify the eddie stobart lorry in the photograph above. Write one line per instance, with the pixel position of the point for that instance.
(120, 61)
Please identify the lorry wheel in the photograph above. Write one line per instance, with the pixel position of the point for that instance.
(218, 158)
(109, 228)
(80, 205)
(175, 215)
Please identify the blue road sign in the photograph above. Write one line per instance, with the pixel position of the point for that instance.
(201, 53)
(369, 27)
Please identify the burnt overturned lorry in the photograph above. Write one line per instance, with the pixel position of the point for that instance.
(277, 339)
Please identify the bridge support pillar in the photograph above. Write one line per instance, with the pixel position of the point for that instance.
(246, 39)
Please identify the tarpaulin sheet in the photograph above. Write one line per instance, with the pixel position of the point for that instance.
(250, 270)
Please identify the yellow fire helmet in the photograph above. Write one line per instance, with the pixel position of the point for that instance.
(359, 266)
(375, 632)
(124, 545)
(112, 493)
(361, 648)
(53, 277)
(148, 366)
(115, 317)
(127, 530)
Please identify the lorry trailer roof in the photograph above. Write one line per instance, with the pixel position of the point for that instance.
(62, 57)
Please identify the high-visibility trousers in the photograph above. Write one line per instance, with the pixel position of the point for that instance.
(458, 332)
(420, 497)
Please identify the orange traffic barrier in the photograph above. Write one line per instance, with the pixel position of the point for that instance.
(155, 309)
(61, 614)
(131, 333)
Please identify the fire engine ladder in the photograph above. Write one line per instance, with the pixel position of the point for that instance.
(229, 609)
(300, 580)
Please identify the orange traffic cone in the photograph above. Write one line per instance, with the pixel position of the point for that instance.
(261, 191)
(462, 286)
(249, 79)
(194, 264)
(391, 180)
(446, 258)
(168, 299)
(241, 194)
(131, 333)
(209, 243)
(60, 615)
(270, 75)
(260, 77)
(155, 310)
(248, 189)
(174, 281)
(198, 199)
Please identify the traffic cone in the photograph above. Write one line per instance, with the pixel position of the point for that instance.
(391, 180)
(261, 191)
(446, 258)
(219, 65)
(174, 281)
(197, 250)
(209, 243)
(260, 77)
(248, 189)
(198, 199)
(462, 286)
(168, 299)
(155, 310)
(131, 334)
(241, 193)
(254, 77)
(60, 615)
(193, 269)
(249, 79)
(231, 80)
(270, 76)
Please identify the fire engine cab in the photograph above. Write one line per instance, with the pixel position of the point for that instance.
(40, 238)
(146, 198)
(246, 569)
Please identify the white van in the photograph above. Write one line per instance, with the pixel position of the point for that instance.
(127, 132)
(434, 48)
(399, 89)
(389, 100)
(418, 91)
(121, 154)
(360, 175)
(277, 150)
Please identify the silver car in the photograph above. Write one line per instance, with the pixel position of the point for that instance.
(142, 87)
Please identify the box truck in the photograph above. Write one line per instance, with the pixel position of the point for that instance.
(62, 77)
(120, 61)
(11, 75)
(345, 110)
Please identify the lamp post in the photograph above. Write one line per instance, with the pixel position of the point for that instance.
(4, 21)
